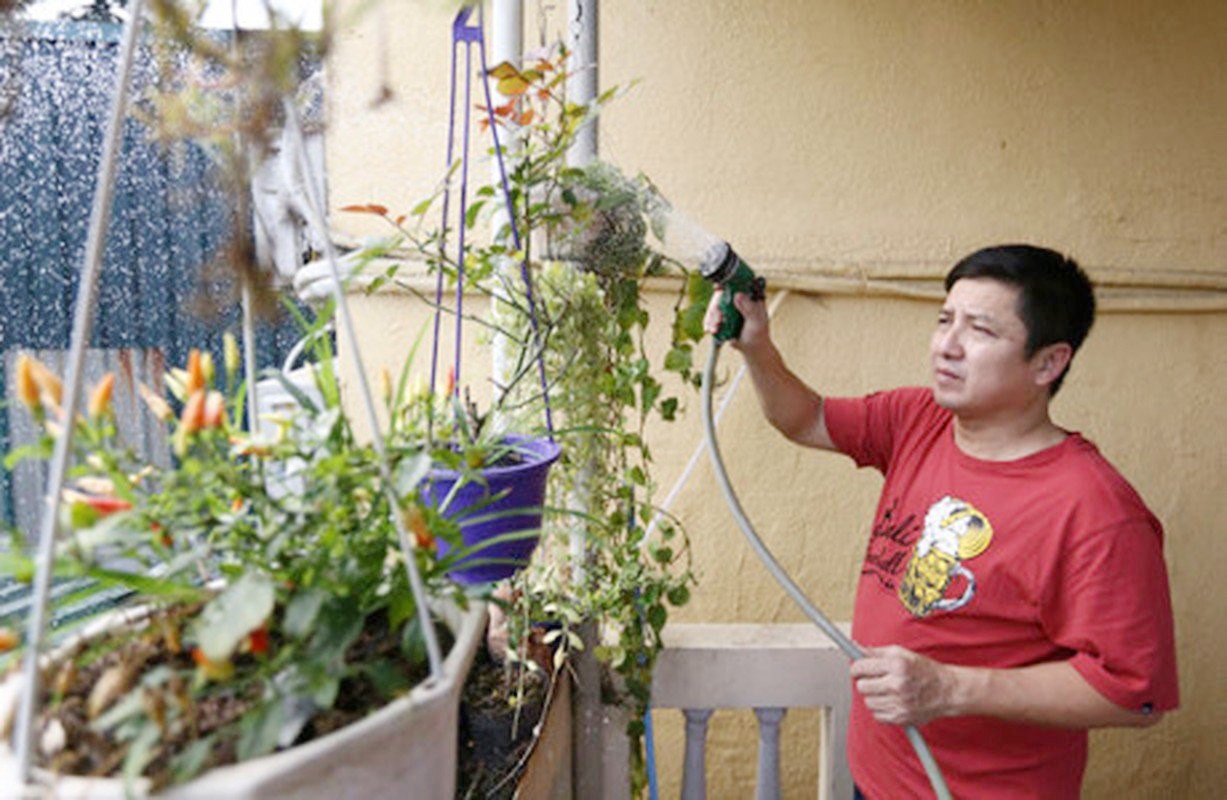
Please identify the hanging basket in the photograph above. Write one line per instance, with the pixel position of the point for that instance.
(499, 515)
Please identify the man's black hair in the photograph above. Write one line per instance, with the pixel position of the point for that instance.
(1055, 300)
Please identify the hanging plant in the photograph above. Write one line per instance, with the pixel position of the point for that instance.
(584, 242)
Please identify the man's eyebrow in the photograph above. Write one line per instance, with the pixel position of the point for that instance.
(980, 317)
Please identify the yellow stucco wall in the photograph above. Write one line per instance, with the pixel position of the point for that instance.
(879, 141)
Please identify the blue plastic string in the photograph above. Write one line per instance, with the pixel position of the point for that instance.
(468, 35)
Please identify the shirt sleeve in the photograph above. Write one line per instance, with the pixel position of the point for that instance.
(866, 428)
(1112, 606)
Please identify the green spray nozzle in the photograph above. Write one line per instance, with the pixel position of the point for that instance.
(723, 266)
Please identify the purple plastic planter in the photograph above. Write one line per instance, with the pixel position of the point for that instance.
(521, 486)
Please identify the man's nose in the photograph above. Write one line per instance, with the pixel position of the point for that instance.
(949, 341)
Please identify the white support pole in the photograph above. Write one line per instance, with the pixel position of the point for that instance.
(582, 84)
(581, 90)
(506, 44)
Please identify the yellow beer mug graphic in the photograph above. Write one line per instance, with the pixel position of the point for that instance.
(954, 532)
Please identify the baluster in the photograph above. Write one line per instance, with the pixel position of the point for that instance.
(768, 787)
(694, 768)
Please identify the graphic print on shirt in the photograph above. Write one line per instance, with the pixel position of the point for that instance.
(954, 532)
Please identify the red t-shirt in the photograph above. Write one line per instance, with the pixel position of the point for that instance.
(1050, 557)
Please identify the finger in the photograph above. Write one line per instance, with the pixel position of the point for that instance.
(867, 666)
(878, 686)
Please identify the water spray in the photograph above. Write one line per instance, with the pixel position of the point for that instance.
(685, 241)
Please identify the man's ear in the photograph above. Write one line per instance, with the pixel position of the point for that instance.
(1049, 362)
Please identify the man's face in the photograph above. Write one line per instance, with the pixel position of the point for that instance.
(977, 351)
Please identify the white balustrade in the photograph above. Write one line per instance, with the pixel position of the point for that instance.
(768, 668)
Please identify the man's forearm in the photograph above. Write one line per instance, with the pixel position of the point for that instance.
(1043, 694)
(902, 687)
(793, 408)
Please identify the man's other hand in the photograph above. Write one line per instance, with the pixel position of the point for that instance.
(900, 687)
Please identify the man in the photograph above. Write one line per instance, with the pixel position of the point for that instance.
(1013, 592)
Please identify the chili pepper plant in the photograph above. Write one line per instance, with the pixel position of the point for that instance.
(275, 615)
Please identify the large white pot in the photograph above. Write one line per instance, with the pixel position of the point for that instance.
(406, 749)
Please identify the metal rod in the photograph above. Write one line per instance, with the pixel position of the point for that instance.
(83, 320)
(316, 219)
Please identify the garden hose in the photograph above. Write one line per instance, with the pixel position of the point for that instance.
(850, 648)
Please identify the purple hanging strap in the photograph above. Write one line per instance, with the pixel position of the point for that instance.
(463, 32)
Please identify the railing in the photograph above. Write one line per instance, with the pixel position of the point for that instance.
(768, 668)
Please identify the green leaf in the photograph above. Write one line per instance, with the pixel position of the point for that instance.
(668, 409)
(637, 476)
(410, 472)
(301, 612)
(19, 454)
(241, 608)
(401, 604)
(388, 680)
(259, 729)
(324, 691)
(413, 644)
(470, 217)
(191, 760)
(337, 627)
(656, 617)
(678, 359)
(678, 596)
(152, 587)
(125, 708)
(140, 752)
(82, 515)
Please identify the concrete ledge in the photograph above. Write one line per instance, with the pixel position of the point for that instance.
(749, 666)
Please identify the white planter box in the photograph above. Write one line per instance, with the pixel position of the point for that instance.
(406, 749)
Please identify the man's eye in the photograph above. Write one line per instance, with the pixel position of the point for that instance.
(983, 330)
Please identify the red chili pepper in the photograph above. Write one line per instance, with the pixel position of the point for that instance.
(106, 505)
(257, 640)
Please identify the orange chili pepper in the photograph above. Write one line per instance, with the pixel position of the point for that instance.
(100, 399)
(160, 408)
(213, 670)
(193, 416)
(450, 386)
(195, 372)
(50, 389)
(214, 412)
(27, 386)
(415, 520)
